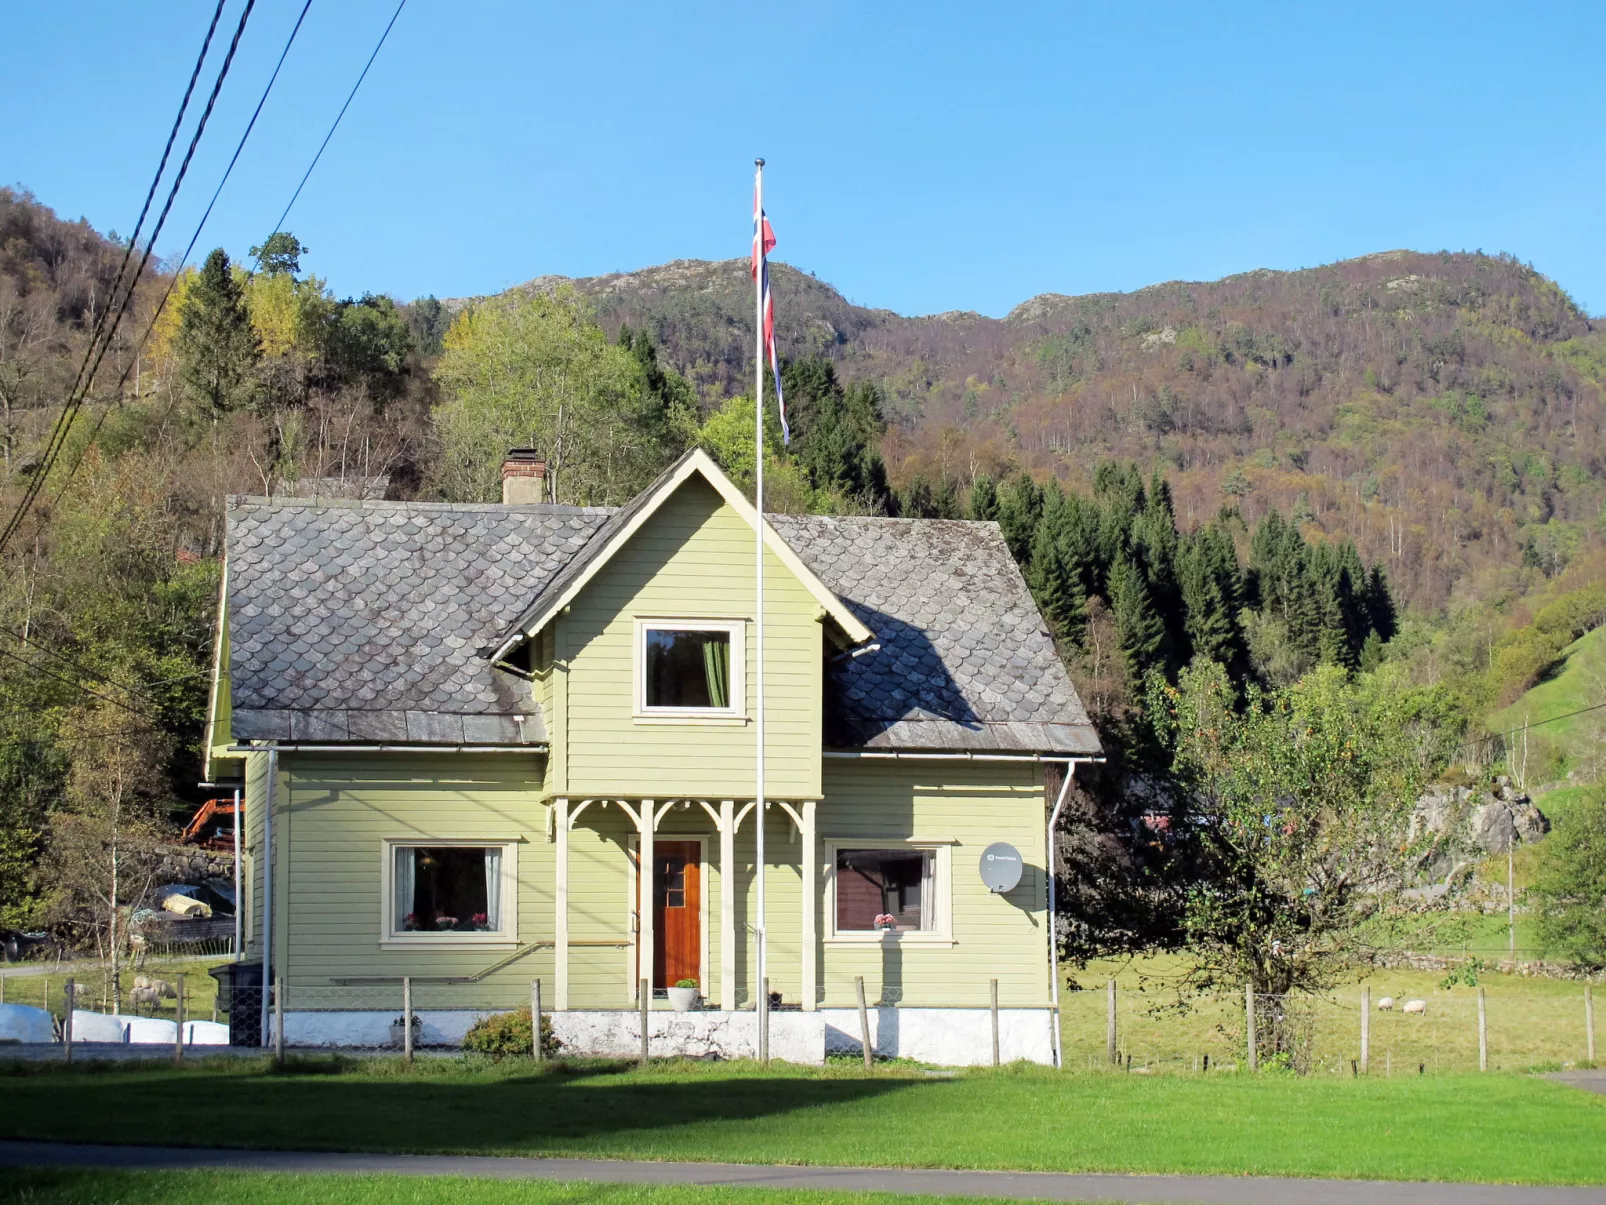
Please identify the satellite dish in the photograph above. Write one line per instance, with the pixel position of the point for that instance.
(1000, 866)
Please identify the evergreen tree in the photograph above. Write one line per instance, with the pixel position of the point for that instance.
(984, 499)
(917, 500)
(1137, 626)
(1058, 592)
(1380, 610)
(281, 253)
(836, 432)
(1019, 506)
(1211, 626)
(217, 347)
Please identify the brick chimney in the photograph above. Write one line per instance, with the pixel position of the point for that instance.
(523, 477)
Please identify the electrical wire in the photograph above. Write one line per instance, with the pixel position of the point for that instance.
(75, 403)
(39, 669)
(161, 305)
(33, 642)
(279, 225)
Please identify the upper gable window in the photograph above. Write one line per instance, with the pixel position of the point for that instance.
(690, 669)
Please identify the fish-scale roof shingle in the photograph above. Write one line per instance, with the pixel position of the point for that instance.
(363, 621)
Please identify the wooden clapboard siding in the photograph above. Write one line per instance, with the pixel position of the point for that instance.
(971, 804)
(337, 812)
(692, 559)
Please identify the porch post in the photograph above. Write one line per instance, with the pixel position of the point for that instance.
(560, 922)
(811, 905)
(727, 905)
(647, 820)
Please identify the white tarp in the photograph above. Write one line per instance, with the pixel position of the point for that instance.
(137, 1031)
(22, 1023)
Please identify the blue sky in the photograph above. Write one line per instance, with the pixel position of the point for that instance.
(922, 157)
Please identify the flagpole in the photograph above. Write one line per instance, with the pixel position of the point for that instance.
(761, 935)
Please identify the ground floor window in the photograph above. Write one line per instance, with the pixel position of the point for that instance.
(886, 890)
(447, 889)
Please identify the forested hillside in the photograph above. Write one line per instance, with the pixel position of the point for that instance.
(1360, 498)
(1445, 412)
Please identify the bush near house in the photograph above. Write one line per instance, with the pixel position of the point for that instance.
(502, 1034)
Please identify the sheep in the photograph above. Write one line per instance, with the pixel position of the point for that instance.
(1386, 1004)
(163, 989)
(1416, 1006)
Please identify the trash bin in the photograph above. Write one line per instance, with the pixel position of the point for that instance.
(239, 994)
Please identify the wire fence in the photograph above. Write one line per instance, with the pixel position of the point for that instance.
(1500, 1028)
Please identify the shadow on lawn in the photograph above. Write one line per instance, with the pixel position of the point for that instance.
(526, 1113)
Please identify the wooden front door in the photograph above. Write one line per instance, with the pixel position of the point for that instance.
(677, 911)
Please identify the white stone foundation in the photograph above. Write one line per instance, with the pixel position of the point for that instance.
(949, 1037)
(795, 1037)
(955, 1037)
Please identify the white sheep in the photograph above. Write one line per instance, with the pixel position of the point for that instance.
(1416, 1006)
(1386, 1004)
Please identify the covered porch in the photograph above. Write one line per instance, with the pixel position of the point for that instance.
(679, 850)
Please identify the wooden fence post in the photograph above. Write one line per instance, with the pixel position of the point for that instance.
(645, 994)
(535, 1021)
(278, 1020)
(66, 1021)
(994, 985)
(407, 1019)
(178, 1016)
(1589, 1022)
(1366, 1029)
(1249, 1025)
(1110, 1055)
(1483, 1033)
(864, 1024)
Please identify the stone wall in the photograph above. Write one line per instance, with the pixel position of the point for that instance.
(192, 864)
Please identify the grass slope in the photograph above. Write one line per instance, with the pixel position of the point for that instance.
(1572, 744)
(1462, 1128)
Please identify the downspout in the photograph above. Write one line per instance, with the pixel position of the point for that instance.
(267, 888)
(239, 948)
(1053, 914)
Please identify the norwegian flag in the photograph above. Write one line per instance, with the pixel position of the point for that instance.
(763, 244)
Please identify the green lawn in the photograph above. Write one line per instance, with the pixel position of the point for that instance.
(1570, 744)
(94, 987)
(252, 1188)
(1491, 1128)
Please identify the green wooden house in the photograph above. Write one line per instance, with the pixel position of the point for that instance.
(483, 745)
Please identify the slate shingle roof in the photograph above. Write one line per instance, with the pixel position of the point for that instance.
(964, 662)
(364, 621)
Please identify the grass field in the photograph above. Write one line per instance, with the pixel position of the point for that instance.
(1503, 1128)
(1572, 744)
(252, 1188)
(49, 990)
(1532, 1022)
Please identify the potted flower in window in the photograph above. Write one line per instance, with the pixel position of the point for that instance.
(445, 923)
(410, 923)
(885, 922)
(684, 995)
(480, 922)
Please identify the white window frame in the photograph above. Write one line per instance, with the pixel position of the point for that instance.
(504, 937)
(942, 932)
(736, 713)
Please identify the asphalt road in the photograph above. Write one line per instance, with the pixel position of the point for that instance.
(1047, 1186)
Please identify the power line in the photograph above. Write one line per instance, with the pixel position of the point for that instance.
(279, 225)
(32, 642)
(75, 402)
(1494, 736)
(39, 669)
(173, 283)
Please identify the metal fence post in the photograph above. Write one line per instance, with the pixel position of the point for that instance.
(66, 1021)
(1366, 1029)
(646, 998)
(1109, 1027)
(1483, 1033)
(864, 1024)
(1249, 1025)
(994, 986)
(178, 1016)
(278, 1020)
(535, 1021)
(407, 1019)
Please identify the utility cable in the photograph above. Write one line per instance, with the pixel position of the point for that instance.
(70, 412)
(39, 669)
(279, 225)
(173, 283)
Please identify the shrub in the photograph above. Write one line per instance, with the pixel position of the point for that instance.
(509, 1033)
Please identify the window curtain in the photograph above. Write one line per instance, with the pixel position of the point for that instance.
(493, 888)
(717, 671)
(406, 884)
(928, 892)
